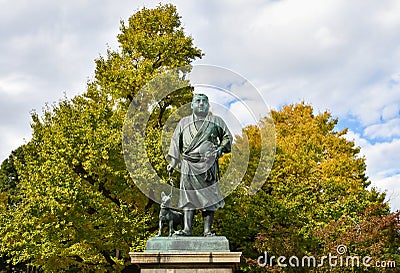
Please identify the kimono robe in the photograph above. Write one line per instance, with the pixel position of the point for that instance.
(195, 149)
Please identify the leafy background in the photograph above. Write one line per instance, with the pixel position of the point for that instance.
(69, 205)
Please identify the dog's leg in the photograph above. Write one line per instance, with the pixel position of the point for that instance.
(160, 224)
(171, 226)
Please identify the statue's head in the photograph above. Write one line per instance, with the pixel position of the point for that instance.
(200, 105)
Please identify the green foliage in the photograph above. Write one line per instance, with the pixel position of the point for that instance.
(78, 209)
(152, 42)
(314, 197)
(9, 199)
(68, 204)
(9, 178)
(77, 205)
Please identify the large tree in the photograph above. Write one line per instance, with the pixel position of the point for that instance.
(316, 197)
(79, 210)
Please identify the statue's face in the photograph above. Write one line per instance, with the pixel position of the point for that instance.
(200, 105)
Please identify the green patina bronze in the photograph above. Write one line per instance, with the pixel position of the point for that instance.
(197, 143)
(188, 244)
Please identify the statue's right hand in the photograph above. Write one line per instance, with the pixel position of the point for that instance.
(172, 165)
(170, 168)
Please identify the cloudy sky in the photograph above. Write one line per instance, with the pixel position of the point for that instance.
(337, 55)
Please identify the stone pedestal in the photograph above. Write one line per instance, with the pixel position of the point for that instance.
(187, 255)
(188, 244)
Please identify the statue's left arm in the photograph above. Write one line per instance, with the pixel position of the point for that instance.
(225, 138)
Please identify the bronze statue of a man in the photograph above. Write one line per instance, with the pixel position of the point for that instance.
(197, 143)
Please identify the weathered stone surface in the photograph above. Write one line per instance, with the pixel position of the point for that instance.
(186, 262)
(188, 244)
(187, 270)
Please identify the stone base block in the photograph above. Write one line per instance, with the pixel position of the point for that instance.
(186, 262)
(184, 270)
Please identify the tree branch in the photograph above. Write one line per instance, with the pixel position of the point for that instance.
(79, 170)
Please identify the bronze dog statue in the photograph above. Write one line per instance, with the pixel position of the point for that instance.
(174, 218)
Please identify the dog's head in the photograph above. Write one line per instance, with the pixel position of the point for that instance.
(165, 200)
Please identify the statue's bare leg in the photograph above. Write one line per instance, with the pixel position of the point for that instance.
(208, 217)
(188, 215)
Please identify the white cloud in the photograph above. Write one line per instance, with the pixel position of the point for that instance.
(391, 186)
(386, 130)
(325, 52)
(48, 49)
(383, 169)
(15, 85)
(326, 39)
(12, 138)
(357, 139)
(391, 111)
(383, 159)
(387, 16)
